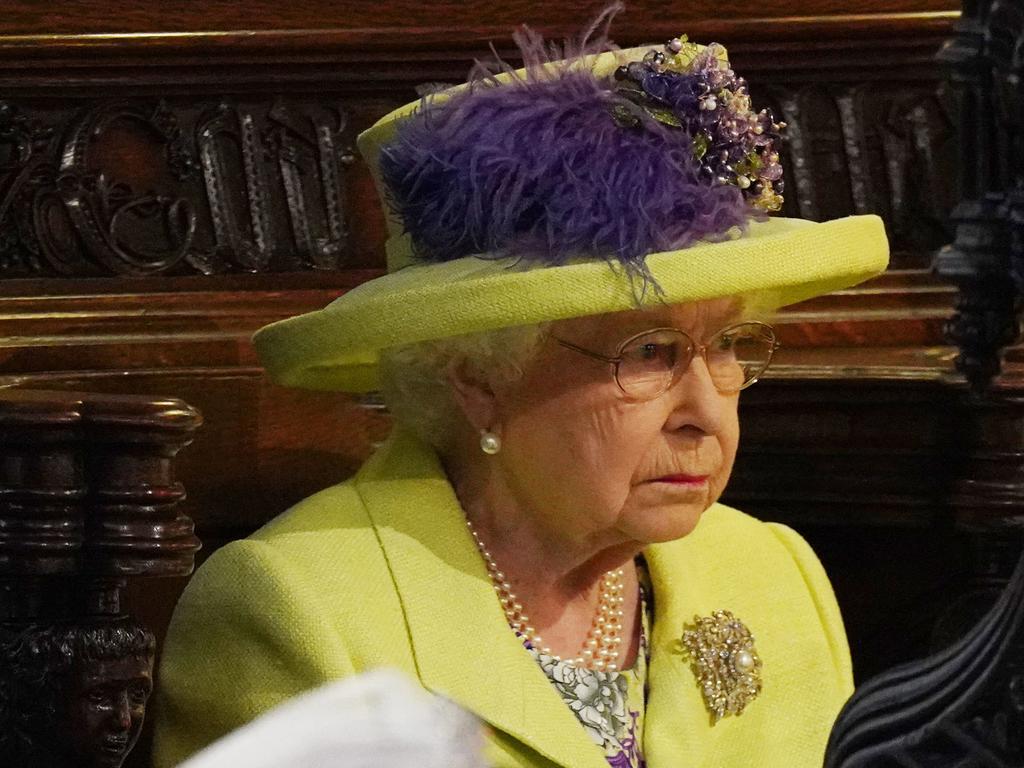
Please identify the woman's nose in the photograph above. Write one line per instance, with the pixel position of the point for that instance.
(699, 403)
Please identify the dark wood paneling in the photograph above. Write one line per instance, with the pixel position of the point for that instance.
(95, 44)
(95, 17)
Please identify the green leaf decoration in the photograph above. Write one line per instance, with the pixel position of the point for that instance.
(664, 116)
(624, 116)
(700, 145)
(750, 165)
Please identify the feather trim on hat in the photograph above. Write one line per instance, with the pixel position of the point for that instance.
(560, 164)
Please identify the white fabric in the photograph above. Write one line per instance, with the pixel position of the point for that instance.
(377, 720)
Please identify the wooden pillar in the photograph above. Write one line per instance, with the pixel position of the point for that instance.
(88, 501)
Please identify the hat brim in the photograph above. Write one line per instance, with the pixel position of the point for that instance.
(781, 261)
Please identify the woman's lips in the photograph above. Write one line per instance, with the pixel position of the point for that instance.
(691, 480)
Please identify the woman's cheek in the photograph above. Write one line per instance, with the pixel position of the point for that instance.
(721, 478)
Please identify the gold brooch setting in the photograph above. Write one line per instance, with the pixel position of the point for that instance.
(722, 654)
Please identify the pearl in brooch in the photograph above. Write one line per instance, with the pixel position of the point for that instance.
(602, 648)
(743, 661)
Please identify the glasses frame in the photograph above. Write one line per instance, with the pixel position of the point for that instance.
(695, 348)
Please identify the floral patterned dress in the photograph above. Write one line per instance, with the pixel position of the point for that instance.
(609, 705)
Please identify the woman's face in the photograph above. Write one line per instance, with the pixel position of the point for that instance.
(593, 466)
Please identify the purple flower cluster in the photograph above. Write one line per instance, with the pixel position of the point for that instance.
(695, 91)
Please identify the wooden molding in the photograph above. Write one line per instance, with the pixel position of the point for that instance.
(846, 28)
(356, 44)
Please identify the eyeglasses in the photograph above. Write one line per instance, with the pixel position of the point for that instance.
(650, 363)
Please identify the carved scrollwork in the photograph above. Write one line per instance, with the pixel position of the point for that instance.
(243, 233)
(24, 173)
(306, 148)
(135, 188)
(126, 231)
(870, 148)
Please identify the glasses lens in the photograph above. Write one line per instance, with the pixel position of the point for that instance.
(649, 362)
(739, 354)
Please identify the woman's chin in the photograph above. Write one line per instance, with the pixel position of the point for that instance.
(668, 522)
(663, 512)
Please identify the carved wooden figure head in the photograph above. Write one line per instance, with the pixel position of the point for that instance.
(79, 692)
(106, 708)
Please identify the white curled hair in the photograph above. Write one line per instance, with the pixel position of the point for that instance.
(414, 378)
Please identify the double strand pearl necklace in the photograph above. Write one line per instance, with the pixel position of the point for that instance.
(601, 649)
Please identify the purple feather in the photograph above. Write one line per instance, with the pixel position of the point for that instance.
(540, 169)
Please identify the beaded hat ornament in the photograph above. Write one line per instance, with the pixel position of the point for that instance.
(697, 92)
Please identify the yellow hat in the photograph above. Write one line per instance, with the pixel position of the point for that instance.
(434, 289)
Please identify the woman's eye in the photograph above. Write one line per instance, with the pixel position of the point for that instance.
(653, 352)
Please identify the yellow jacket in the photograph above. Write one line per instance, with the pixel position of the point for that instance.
(381, 571)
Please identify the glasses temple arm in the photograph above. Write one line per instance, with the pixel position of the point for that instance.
(587, 352)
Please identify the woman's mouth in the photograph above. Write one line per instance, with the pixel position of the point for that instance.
(686, 480)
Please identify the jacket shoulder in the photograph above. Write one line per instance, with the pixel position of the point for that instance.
(750, 539)
(338, 506)
(306, 599)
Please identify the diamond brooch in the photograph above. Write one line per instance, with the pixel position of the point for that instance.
(721, 652)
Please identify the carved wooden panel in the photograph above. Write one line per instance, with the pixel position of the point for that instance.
(883, 147)
(143, 187)
(138, 188)
(229, 151)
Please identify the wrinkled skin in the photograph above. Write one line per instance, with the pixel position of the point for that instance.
(574, 490)
(589, 456)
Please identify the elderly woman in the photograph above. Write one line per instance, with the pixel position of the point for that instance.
(579, 263)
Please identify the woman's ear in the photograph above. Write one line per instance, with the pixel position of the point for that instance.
(474, 397)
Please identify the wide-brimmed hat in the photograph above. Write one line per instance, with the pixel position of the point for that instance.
(595, 183)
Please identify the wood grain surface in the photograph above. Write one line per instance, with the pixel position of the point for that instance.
(98, 17)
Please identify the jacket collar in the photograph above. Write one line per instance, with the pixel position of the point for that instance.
(460, 639)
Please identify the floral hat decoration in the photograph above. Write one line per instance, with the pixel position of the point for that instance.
(593, 180)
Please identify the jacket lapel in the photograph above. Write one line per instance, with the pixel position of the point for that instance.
(676, 722)
(461, 642)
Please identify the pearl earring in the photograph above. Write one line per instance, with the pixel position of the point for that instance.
(490, 443)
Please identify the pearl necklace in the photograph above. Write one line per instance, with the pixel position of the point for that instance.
(601, 649)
